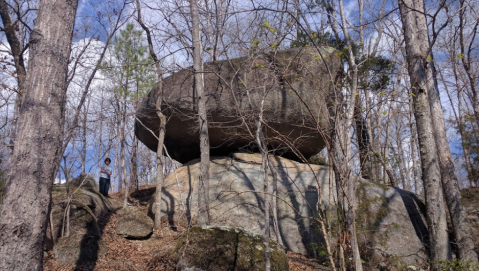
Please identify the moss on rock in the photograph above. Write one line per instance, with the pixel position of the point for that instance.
(226, 248)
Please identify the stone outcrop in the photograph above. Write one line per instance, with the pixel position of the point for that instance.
(236, 198)
(133, 223)
(225, 248)
(391, 228)
(84, 243)
(294, 84)
(79, 249)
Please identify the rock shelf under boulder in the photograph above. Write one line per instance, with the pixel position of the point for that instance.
(391, 227)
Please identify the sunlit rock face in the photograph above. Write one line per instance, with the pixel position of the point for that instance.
(288, 87)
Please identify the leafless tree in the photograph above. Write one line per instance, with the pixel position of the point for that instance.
(39, 139)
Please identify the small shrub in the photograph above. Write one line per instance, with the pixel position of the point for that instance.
(458, 265)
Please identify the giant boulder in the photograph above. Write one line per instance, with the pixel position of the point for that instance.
(391, 227)
(293, 83)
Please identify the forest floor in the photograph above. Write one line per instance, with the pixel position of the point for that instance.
(147, 254)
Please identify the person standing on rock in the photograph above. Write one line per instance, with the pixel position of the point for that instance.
(105, 174)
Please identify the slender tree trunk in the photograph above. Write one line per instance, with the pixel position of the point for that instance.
(460, 226)
(16, 48)
(422, 84)
(385, 154)
(84, 141)
(274, 203)
(341, 145)
(123, 161)
(36, 156)
(160, 161)
(363, 141)
(460, 122)
(466, 54)
(413, 145)
(134, 163)
(260, 141)
(160, 178)
(375, 165)
(203, 189)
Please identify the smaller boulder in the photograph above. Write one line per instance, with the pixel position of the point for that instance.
(79, 249)
(85, 181)
(134, 224)
(225, 248)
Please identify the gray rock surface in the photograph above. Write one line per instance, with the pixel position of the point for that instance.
(236, 197)
(133, 223)
(85, 181)
(79, 249)
(87, 206)
(296, 82)
(391, 226)
(226, 248)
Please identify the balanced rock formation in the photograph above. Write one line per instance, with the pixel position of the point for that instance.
(225, 248)
(294, 85)
(391, 227)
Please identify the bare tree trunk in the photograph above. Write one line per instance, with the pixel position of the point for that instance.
(36, 156)
(413, 145)
(460, 226)
(460, 122)
(467, 54)
(160, 161)
(123, 161)
(363, 141)
(422, 84)
(17, 50)
(341, 140)
(134, 163)
(84, 141)
(203, 190)
(260, 141)
(160, 178)
(119, 171)
(66, 214)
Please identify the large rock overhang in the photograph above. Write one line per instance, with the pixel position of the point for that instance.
(294, 84)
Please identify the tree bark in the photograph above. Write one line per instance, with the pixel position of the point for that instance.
(36, 156)
(203, 201)
(421, 77)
